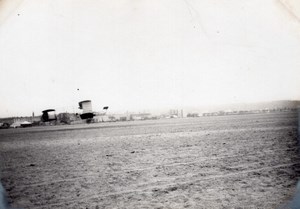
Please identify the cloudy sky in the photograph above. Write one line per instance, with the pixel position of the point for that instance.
(146, 54)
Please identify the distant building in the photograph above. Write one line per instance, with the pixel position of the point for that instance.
(193, 115)
(121, 117)
(140, 116)
(102, 118)
(173, 113)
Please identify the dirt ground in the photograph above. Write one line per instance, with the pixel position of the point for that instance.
(245, 161)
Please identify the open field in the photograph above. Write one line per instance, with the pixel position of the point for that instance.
(244, 161)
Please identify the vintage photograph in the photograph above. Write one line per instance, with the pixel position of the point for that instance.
(157, 104)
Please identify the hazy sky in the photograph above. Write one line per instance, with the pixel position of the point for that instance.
(144, 54)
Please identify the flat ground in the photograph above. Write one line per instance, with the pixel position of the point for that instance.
(245, 161)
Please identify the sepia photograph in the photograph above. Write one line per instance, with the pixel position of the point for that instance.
(149, 104)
